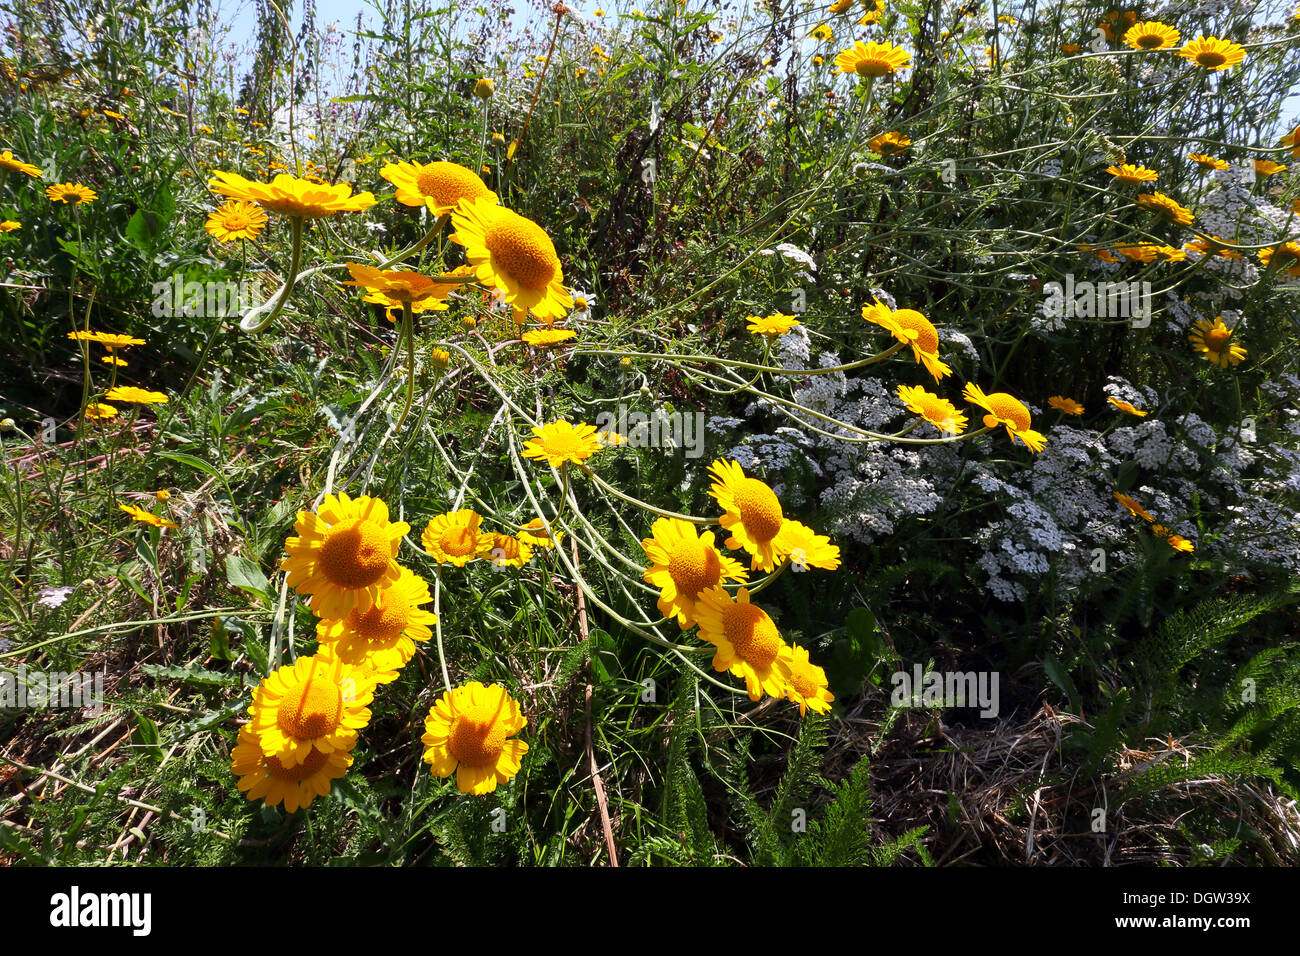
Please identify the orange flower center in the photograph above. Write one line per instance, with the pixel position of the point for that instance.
(1211, 58)
(752, 633)
(381, 624)
(355, 555)
(458, 541)
(693, 566)
(760, 511)
(927, 338)
(315, 760)
(871, 68)
(803, 682)
(1216, 339)
(1008, 409)
(477, 735)
(1149, 41)
(522, 250)
(311, 709)
(446, 183)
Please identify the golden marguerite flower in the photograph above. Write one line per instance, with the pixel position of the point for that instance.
(560, 442)
(1142, 252)
(682, 564)
(398, 286)
(1151, 35)
(1214, 341)
(100, 410)
(747, 641)
(468, 733)
(751, 512)
(71, 193)
(383, 636)
(887, 144)
(771, 325)
(872, 60)
(1213, 53)
(1292, 139)
(1067, 405)
(140, 396)
(1266, 167)
(807, 685)
(1175, 541)
(1135, 509)
(439, 186)
(513, 254)
(821, 32)
(1212, 245)
(235, 219)
(266, 777)
(508, 551)
(805, 548)
(1284, 257)
(317, 703)
(911, 328)
(1168, 206)
(290, 196)
(113, 340)
(534, 533)
(113, 360)
(9, 225)
(145, 517)
(1126, 407)
(1208, 162)
(344, 554)
(9, 161)
(455, 538)
(1004, 409)
(939, 412)
(1128, 173)
(543, 338)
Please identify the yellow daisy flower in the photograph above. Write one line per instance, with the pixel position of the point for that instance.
(1126, 407)
(513, 254)
(235, 219)
(1292, 139)
(113, 360)
(145, 517)
(454, 538)
(1005, 410)
(561, 441)
(289, 196)
(771, 325)
(1170, 207)
(100, 410)
(383, 636)
(71, 193)
(9, 225)
(887, 144)
(344, 554)
(911, 328)
(806, 548)
(1069, 49)
(1175, 541)
(841, 6)
(534, 533)
(751, 512)
(395, 286)
(508, 551)
(807, 685)
(111, 339)
(1266, 167)
(1151, 35)
(1212, 245)
(939, 412)
(1135, 509)
(1128, 173)
(466, 734)
(1208, 162)
(439, 186)
(872, 59)
(1067, 405)
(683, 564)
(9, 161)
(1213, 340)
(1213, 53)
(821, 32)
(543, 338)
(140, 396)
(1142, 252)
(316, 703)
(1284, 257)
(266, 777)
(747, 641)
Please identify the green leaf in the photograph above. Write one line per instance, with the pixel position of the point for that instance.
(184, 459)
(247, 576)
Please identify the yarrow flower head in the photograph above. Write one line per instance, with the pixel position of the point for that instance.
(1005, 410)
(560, 442)
(683, 564)
(468, 732)
(439, 186)
(344, 554)
(1213, 341)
